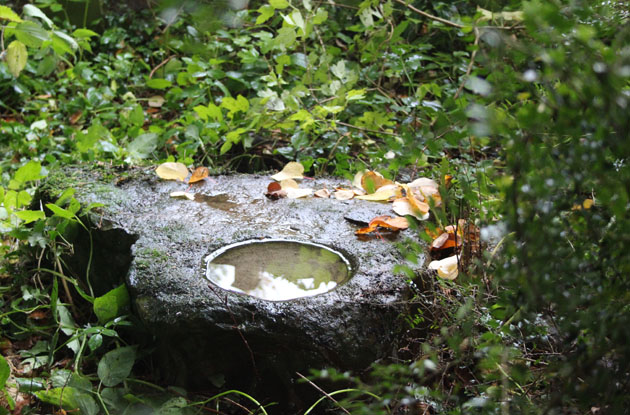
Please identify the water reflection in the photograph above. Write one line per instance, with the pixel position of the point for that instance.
(276, 269)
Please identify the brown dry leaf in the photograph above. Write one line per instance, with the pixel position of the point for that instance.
(199, 174)
(275, 192)
(387, 222)
(74, 118)
(323, 193)
(411, 206)
(371, 181)
(292, 170)
(172, 171)
(447, 240)
(395, 223)
(343, 194)
(38, 315)
(447, 268)
(156, 101)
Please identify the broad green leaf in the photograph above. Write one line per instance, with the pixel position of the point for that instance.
(59, 211)
(157, 83)
(279, 4)
(28, 172)
(68, 39)
(111, 305)
(29, 216)
(5, 371)
(266, 12)
(297, 18)
(143, 145)
(116, 365)
(355, 94)
(64, 397)
(60, 45)
(16, 56)
(8, 14)
(34, 11)
(285, 38)
(240, 104)
(136, 116)
(84, 33)
(31, 34)
(478, 85)
(321, 16)
(174, 406)
(211, 111)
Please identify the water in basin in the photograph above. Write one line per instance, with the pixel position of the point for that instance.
(277, 269)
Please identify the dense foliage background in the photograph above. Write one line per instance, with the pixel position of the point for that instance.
(522, 103)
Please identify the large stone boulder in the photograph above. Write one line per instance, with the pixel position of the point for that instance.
(203, 332)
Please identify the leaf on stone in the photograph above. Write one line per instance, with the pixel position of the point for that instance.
(16, 56)
(275, 191)
(446, 268)
(387, 222)
(384, 193)
(446, 241)
(411, 206)
(293, 193)
(356, 182)
(293, 190)
(292, 170)
(371, 181)
(343, 194)
(182, 195)
(172, 171)
(199, 174)
(323, 193)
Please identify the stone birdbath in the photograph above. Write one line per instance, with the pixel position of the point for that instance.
(182, 261)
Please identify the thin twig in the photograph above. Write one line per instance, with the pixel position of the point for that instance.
(430, 16)
(323, 392)
(235, 326)
(164, 62)
(470, 64)
(367, 130)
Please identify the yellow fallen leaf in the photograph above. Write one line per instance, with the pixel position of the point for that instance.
(411, 206)
(182, 195)
(323, 193)
(343, 194)
(293, 170)
(381, 195)
(371, 181)
(356, 182)
(294, 193)
(288, 184)
(172, 171)
(446, 268)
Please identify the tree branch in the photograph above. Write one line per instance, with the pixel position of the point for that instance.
(430, 16)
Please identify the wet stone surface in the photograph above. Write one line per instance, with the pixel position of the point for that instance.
(197, 324)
